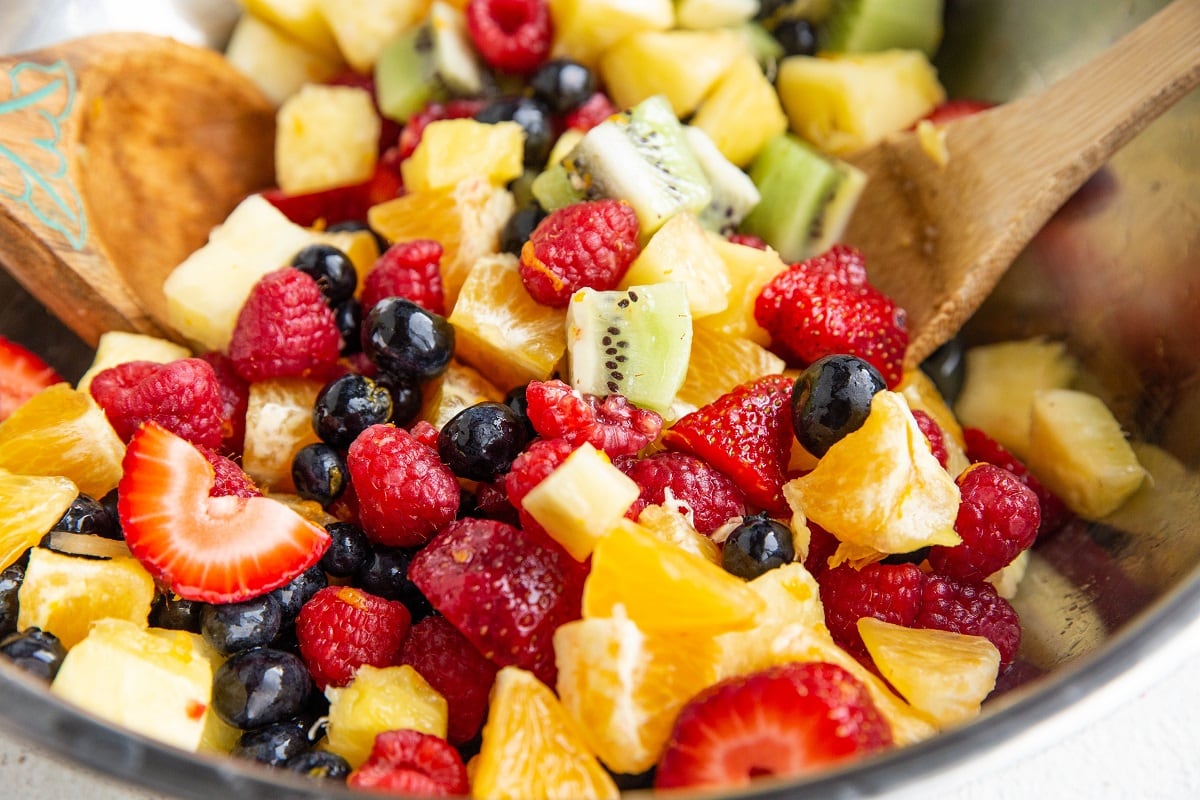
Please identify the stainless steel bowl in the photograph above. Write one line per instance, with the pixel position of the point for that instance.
(1115, 275)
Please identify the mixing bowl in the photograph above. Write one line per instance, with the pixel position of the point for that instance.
(1116, 275)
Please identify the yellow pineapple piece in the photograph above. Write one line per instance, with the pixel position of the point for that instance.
(278, 423)
(121, 347)
(944, 675)
(742, 112)
(585, 29)
(278, 63)
(32, 504)
(749, 270)
(705, 14)
(325, 136)
(363, 28)
(157, 684)
(720, 363)
(683, 66)
(452, 150)
(458, 387)
(681, 251)
(533, 749)
(360, 247)
(844, 102)
(668, 523)
(381, 699)
(61, 431)
(301, 19)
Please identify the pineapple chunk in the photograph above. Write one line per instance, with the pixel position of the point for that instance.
(157, 684)
(378, 700)
(121, 347)
(680, 65)
(581, 500)
(452, 150)
(278, 423)
(749, 270)
(301, 19)
(277, 63)
(742, 113)
(585, 29)
(326, 136)
(681, 251)
(705, 14)
(1077, 448)
(842, 103)
(363, 28)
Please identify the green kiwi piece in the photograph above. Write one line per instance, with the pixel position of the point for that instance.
(733, 192)
(864, 26)
(634, 342)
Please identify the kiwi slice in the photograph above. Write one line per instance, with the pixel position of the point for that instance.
(733, 192)
(865, 26)
(807, 198)
(634, 342)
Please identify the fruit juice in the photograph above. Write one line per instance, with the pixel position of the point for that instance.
(536, 436)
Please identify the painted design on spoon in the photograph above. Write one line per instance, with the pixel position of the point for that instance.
(35, 173)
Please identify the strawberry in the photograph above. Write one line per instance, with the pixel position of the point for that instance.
(22, 375)
(212, 549)
(184, 396)
(783, 721)
(746, 434)
(285, 329)
(826, 305)
(342, 203)
(951, 110)
(452, 666)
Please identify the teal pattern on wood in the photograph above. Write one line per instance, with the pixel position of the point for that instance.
(37, 167)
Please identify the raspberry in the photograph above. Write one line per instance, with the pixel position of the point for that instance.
(590, 113)
(407, 269)
(341, 628)
(821, 546)
(712, 497)
(183, 396)
(748, 240)
(933, 434)
(405, 493)
(425, 433)
(414, 764)
(589, 244)
(510, 35)
(981, 447)
(997, 519)
(410, 137)
(455, 669)
(230, 480)
(971, 607)
(284, 329)
(611, 424)
(235, 399)
(491, 502)
(888, 592)
(540, 458)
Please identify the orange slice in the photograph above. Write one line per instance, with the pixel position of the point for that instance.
(719, 363)
(32, 504)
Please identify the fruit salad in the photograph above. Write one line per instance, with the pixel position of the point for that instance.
(536, 435)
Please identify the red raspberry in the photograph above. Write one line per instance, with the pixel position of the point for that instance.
(410, 137)
(229, 480)
(997, 519)
(411, 270)
(748, 239)
(510, 35)
(981, 447)
(235, 399)
(452, 666)
(502, 589)
(821, 546)
(341, 628)
(933, 434)
(425, 433)
(285, 329)
(491, 502)
(611, 424)
(540, 458)
(183, 396)
(712, 497)
(971, 607)
(413, 764)
(888, 592)
(589, 244)
(405, 493)
(825, 305)
(590, 113)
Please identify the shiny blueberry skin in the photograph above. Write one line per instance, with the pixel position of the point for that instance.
(332, 269)
(533, 117)
(88, 515)
(292, 596)
(758, 545)
(406, 398)
(404, 339)
(236, 627)
(319, 473)
(348, 549)
(34, 650)
(481, 441)
(260, 687)
(798, 37)
(348, 317)
(275, 744)
(320, 764)
(175, 613)
(10, 584)
(517, 400)
(563, 84)
(347, 406)
(832, 398)
(385, 572)
(947, 368)
(520, 227)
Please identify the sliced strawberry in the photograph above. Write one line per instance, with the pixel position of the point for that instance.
(341, 203)
(784, 721)
(747, 434)
(956, 109)
(22, 375)
(213, 549)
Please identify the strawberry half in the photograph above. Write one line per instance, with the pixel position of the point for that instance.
(784, 721)
(22, 375)
(213, 549)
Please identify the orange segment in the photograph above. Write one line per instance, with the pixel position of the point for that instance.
(719, 363)
(61, 431)
(532, 749)
(666, 523)
(455, 389)
(278, 423)
(32, 504)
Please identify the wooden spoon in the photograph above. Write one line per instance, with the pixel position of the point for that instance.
(118, 154)
(938, 238)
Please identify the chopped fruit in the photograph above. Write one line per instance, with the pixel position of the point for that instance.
(278, 425)
(668, 524)
(742, 112)
(623, 687)
(745, 434)
(22, 375)
(708, 497)
(363, 28)
(228, 477)
(411, 270)
(785, 721)
(533, 748)
(341, 628)
(33, 504)
(381, 699)
(682, 66)
(65, 594)
(343, 203)
(922, 393)
(453, 150)
(183, 396)
(934, 436)
(61, 431)
(410, 136)
(951, 110)
(285, 329)
(279, 64)
(981, 447)
(997, 519)
(663, 588)
(970, 607)
(591, 113)
(831, 400)
(589, 244)
(719, 364)
(749, 269)
(459, 386)
(196, 543)
(326, 136)
(510, 35)
(411, 763)
(681, 251)
(455, 669)
(944, 675)
(119, 347)
(540, 458)
(611, 424)
(757, 545)
(301, 19)
(585, 29)
(889, 592)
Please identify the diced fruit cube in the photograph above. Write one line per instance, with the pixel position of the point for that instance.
(278, 423)
(683, 66)
(121, 347)
(720, 363)
(681, 251)
(864, 26)
(1077, 448)
(452, 150)
(742, 112)
(381, 699)
(843, 103)
(362, 28)
(427, 63)
(32, 504)
(325, 136)
(749, 270)
(277, 63)
(705, 14)
(301, 19)
(158, 684)
(585, 29)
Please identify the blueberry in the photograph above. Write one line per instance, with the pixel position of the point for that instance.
(481, 441)
(274, 745)
(519, 228)
(832, 398)
(562, 84)
(332, 269)
(88, 515)
(260, 687)
(915, 557)
(348, 549)
(798, 37)
(518, 402)
(758, 545)
(10, 584)
(406, 398)
(533, 117)
(348, 406)
(404, 339)
(34, 650)
(292, 596)
(385, 572)
(235, 627)
(319, 473)
(176, 613)
(348, 317)
(320, 764)
(946, 367)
